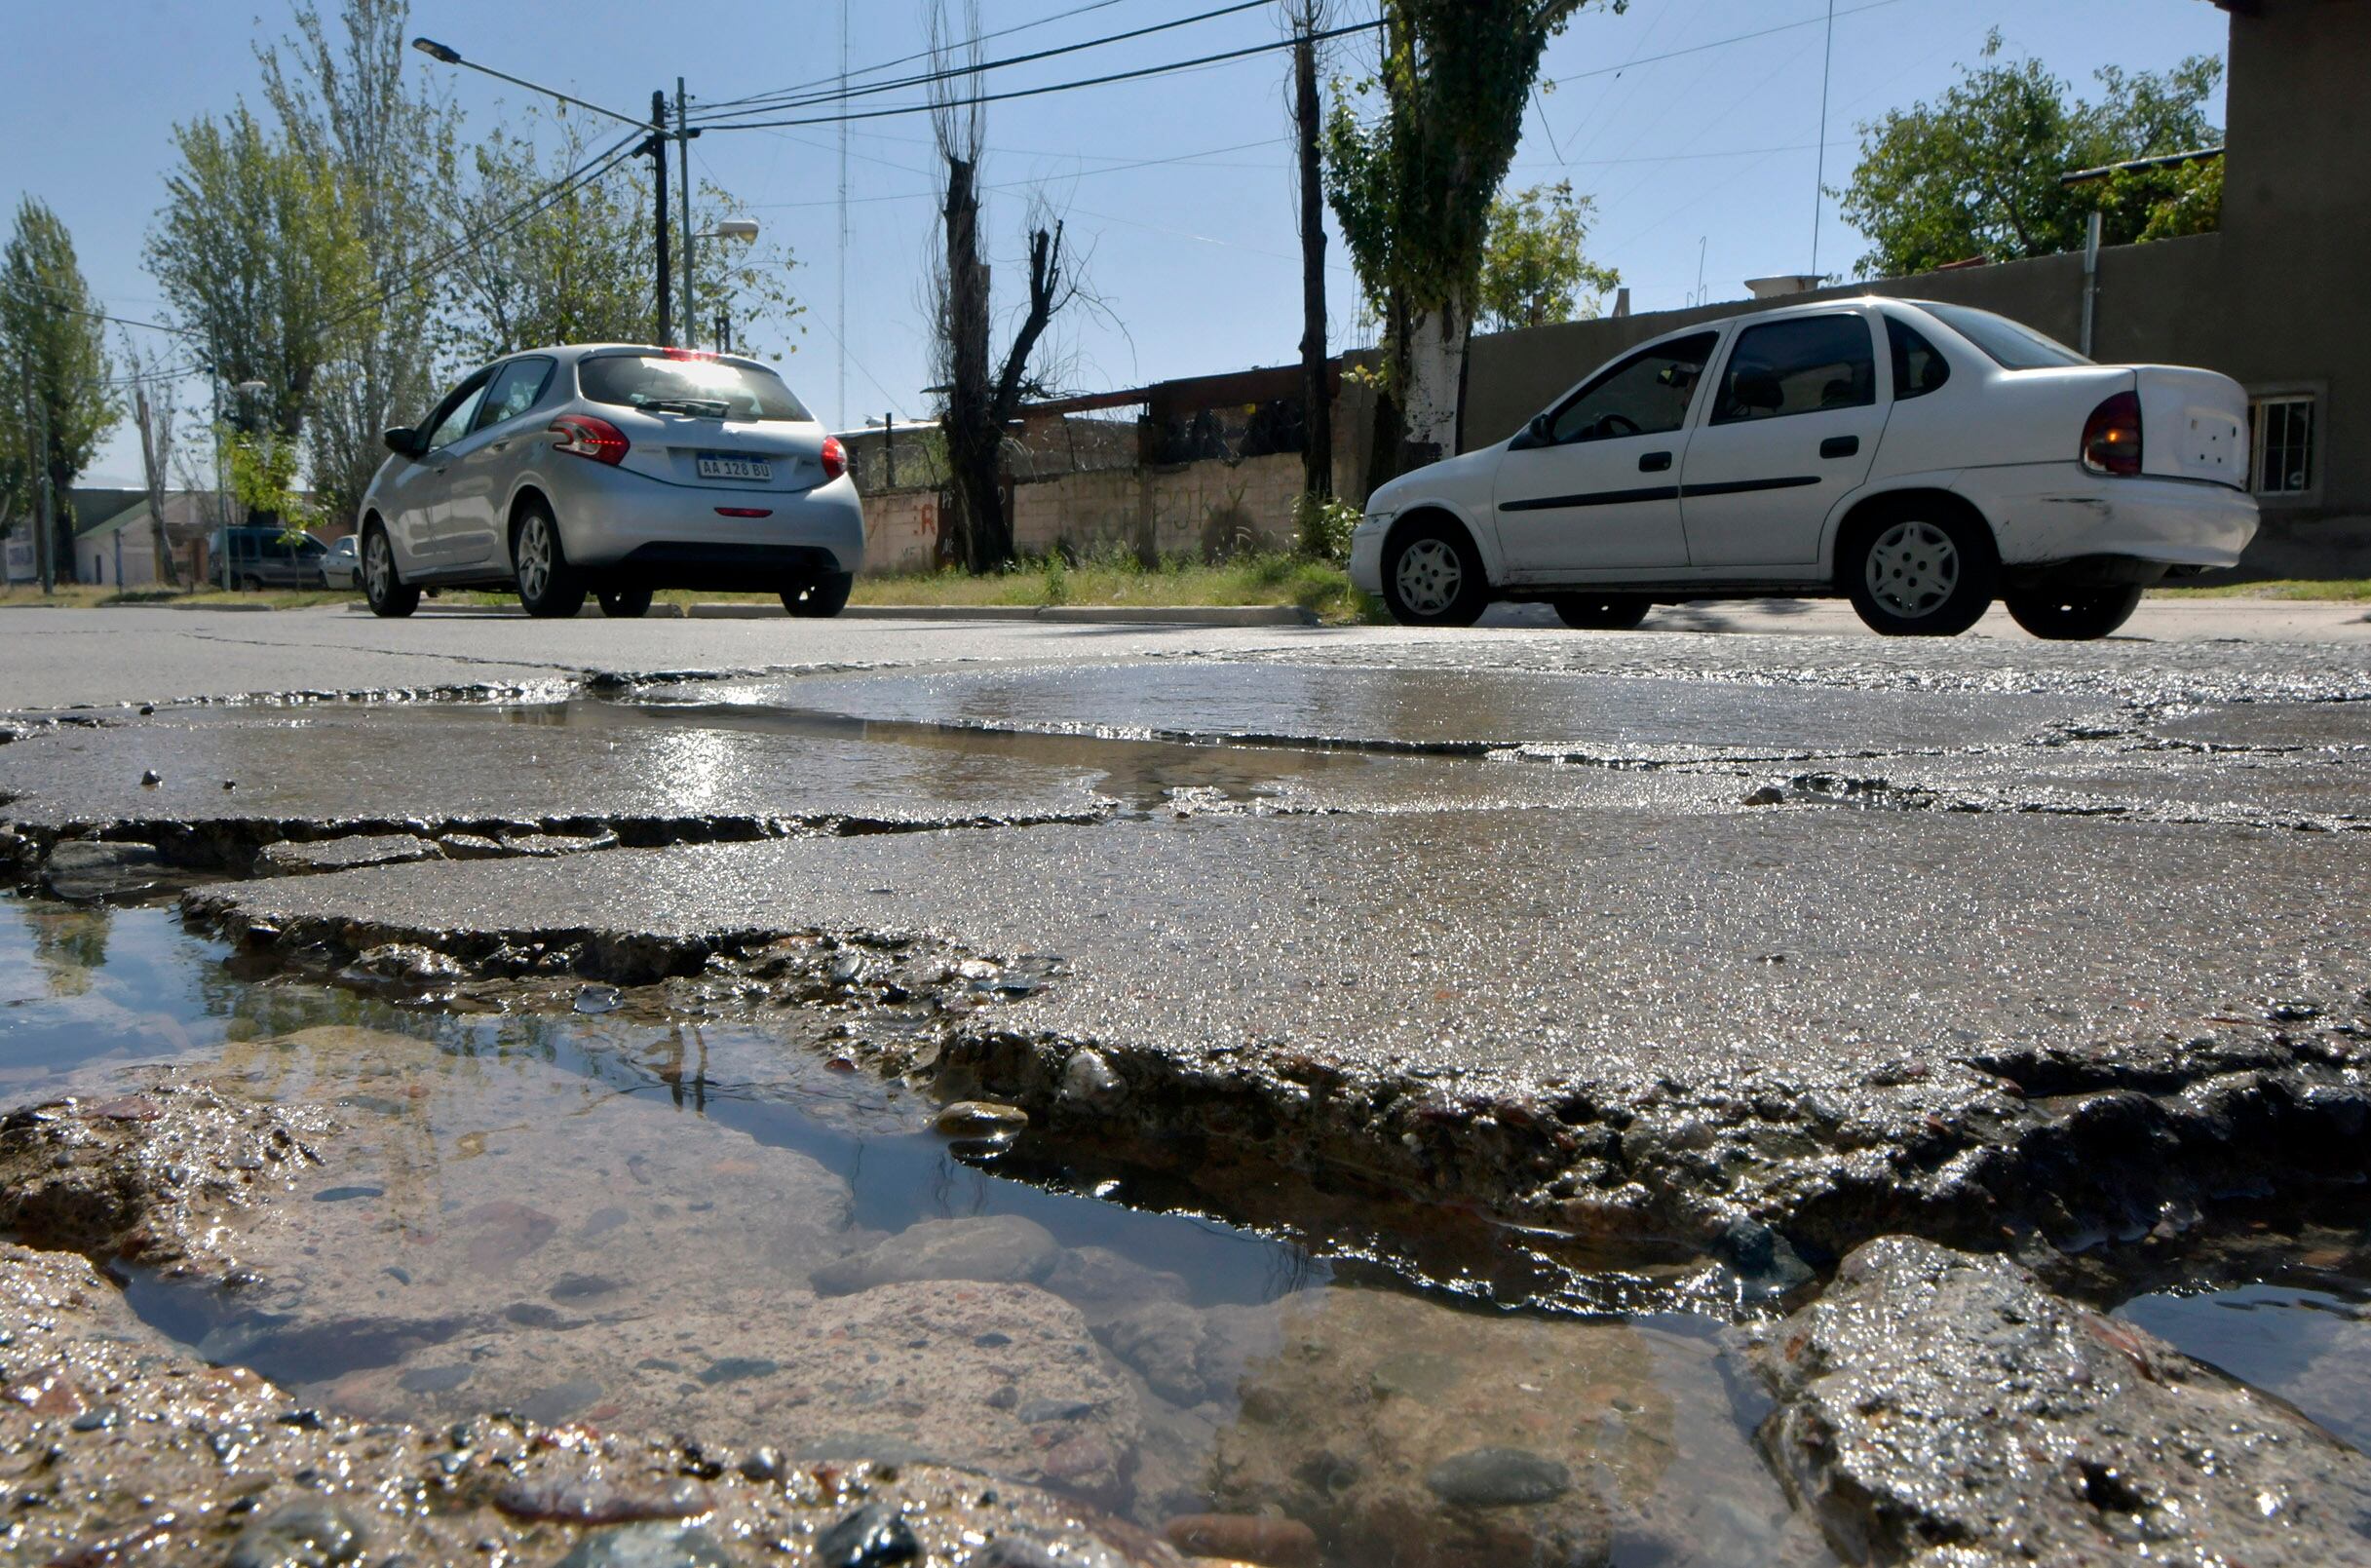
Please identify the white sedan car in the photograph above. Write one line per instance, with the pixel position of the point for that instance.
(1920, 458)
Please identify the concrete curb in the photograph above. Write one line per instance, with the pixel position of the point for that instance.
(1213, 615)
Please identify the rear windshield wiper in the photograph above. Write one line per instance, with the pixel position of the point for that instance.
(699, 407)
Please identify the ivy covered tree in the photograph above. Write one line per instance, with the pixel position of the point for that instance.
(1977, 172)
(1414, 156)
(1534, 272)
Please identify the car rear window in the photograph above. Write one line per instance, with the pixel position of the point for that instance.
(657, 381)
(2014, 347)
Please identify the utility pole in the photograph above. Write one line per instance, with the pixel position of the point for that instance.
(839, 410)
(45, 536)
(655, 147)
(1820, 178)
(683, 167)
(1317, 398)
(154, 440)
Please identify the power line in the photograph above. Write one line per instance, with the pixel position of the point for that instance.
(1718, 43)
(585, 173)
(102, 315)
(1019, 185)
(1139, 74)
(908, 60)
(791, 99)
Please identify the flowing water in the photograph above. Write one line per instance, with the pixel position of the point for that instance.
(652, 1224)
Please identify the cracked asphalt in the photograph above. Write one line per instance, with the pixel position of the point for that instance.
(1638, 935)
(1747, 940)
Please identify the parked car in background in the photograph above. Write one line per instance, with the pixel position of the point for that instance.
(616, 470)
(343, 565)
(256, 556)
(1920, 458)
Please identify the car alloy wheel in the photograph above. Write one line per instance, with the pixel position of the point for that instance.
(378, 567)
(1428, 577)
(1913, 569)
(534, 557)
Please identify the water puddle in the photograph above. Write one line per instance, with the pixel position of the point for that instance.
(595, 1218)
(2306, 1338)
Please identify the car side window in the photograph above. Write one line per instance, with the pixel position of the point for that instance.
(1645, 394)
(1918, 368)
(513, 391)
(459, 410)
(1798, 366)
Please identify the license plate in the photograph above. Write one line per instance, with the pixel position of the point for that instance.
(715, 466)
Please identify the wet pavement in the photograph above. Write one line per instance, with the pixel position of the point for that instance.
(1434, 1053)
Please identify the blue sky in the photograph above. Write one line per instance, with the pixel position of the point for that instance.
(1695, 153)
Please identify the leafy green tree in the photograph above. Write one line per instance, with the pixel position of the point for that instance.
(339, 92)
(1534, 273)
(532, 269)
(259, 253)
(54, 372)
(1977, 172)
(1411, 183)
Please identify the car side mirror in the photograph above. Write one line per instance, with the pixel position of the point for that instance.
(403, 440)
(1534, 433)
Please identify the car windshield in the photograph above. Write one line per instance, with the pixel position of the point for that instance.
(717, 388)
(2016, 347)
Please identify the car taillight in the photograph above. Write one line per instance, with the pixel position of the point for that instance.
(835, 458)
(588, 437)
(2111, 436)
(687, 353)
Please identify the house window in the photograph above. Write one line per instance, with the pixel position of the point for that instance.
(2282, 434)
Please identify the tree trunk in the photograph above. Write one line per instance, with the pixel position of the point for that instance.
(973, 440)
(1317, 398)
(1436, 374)
(152, 465)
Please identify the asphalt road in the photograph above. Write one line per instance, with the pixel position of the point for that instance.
(68, 658)
(1632, 932)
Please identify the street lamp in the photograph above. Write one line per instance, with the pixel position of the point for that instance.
(732, 228)
(655, 145)
(450, 55)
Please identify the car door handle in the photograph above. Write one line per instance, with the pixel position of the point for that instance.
(1840, 447)
(498, 447)
(1653, 462)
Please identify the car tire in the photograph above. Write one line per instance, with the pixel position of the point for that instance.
(1602, 612)
(250, 583)
(549, 586)
(2077, 616)
(383, 587)
(822, 598)
(625, 603)
(1433, 575)
(1919, 571)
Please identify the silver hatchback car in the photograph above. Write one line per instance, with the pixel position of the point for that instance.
(614, 470)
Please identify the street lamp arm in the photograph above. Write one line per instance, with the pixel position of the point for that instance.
(452, 56)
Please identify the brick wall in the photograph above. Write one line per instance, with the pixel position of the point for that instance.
(902, 531)
(1204, 509)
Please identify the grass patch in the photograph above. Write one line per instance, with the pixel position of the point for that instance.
(2345, 589)
(1110, 579)
(1318, 586)
(88, 597)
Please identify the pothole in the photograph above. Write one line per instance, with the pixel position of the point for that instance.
(610, 1221)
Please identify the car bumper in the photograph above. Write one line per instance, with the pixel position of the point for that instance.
(672, 535)
(2058, 511)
